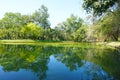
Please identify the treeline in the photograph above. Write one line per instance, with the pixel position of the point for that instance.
(105, 18)
(108, 28)
(17, 26)
(37, 27)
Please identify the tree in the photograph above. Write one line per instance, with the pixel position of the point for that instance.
(31, 31)
(108, 27)
(12, 23)
(12, 20)
(81, 33)
(26, 19)
(98, 7)
(57, 34)
(63, 28)
(40, 17)
(68, 27)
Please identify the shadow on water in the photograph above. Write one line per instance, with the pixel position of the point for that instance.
(29, 62)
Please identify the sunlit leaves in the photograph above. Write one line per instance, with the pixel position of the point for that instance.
(68, 27)
(17, 26)
(40, 17)
(98, 7)
(31, 59)
(81, 33)
(108, 27)
(31, 30)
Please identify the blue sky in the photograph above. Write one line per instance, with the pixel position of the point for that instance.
(59, 10)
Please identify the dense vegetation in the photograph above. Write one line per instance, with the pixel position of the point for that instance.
(105, 19)
(37, 27)
(105, 24)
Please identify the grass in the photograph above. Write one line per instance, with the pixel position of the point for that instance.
(114, 44)
(28, 41)
(17, 41)
(61, 43)
(110, 44)
(31, 41)
(39, 42)
(52, 43)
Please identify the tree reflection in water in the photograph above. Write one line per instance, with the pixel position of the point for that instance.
(82, 63)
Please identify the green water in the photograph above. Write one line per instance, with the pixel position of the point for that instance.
(40, 62)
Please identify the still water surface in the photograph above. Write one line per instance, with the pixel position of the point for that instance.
(30, 62)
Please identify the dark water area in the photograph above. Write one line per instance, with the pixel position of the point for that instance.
(30, 62)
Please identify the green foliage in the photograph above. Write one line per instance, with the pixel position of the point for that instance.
(81, 33)
(40, 17)
(37, 26)
(12, 20)
(37, 58)
(108, 28)
(17, 26)
(98, 7)
(70, 26)
(31, 31)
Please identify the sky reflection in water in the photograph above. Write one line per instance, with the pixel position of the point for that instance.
(23, 62)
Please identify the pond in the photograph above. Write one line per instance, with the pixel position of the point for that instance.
(41, 62)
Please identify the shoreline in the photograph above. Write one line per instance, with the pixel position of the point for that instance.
(111, 44)
(28, 41)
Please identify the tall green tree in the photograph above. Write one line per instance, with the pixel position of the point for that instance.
(31, 31)
(40, 17)
(12, 22)
(81, 33)
(109, 27)
(98, 7)
(71, 25)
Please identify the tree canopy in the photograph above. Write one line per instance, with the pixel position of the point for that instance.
(37, 25)
(98, 7)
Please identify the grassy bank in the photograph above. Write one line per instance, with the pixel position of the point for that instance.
(48, 43)
(28, 41)
(60, 43)
(17, 41)
(36, 41)
(111, 44)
